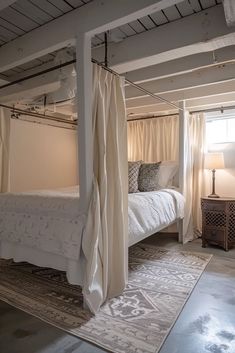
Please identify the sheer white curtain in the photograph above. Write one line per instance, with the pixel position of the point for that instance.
(4, 150)
(153, 140)
(194, 145)
(105, 242)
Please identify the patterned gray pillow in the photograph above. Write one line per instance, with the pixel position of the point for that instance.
(133, 173)
(148, 177)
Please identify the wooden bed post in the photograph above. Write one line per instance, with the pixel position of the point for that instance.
(182, 117)
(84, 93)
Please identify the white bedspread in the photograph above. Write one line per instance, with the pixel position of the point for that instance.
(45, 227)
(150, 212)
(49, 221)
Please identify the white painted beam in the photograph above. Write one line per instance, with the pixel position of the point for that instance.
(182, 65)
(198, 78)
(85, 138)
(190, 93)
(202, 32)
(30, 89)
(192, 104)
(95, 17)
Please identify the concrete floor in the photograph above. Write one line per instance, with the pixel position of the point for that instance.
(206, 324)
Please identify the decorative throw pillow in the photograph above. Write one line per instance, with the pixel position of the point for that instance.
(167, 171)
(133, 173)
(148, 177)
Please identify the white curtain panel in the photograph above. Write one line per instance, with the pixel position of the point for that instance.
(5, 116)
(105, 241)
(153, 140)
(157, 139)
(194, 146)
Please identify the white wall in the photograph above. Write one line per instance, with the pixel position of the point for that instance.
(42, 157)
(225, 179)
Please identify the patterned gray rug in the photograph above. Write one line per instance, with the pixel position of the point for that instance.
(160, 282)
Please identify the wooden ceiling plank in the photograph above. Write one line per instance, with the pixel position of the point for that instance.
(47, 7)
(147, 22)
(208, 3)
(32, 11)
(18, 19)
(61, 5)
(7, 34)
(76, 3)
(10, 26)
(172, 13)
(159, 18)
(185, 8)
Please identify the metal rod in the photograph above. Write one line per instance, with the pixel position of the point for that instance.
(106, 49)
(38, 115)
(176, 114)
(152, 117)
(46, 71)
(153, 95)
(213, 109)
(47, 124)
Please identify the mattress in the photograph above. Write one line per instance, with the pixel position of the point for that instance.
(150, 212)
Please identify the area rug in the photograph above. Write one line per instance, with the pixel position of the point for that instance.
(160, 282)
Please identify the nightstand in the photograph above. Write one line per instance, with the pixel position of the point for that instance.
(218, 222)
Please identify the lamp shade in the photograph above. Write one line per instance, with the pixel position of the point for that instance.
(214, 160)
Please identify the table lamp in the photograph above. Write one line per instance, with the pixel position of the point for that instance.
(214, 161)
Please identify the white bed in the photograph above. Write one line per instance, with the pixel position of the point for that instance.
(45, 227)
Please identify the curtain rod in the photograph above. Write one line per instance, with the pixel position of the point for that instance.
(153, 117)
(212, 109)
(155, 96)
(38, 115)
(192, 112)
(43, 123)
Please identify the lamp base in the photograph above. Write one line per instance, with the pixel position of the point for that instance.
(213, 196)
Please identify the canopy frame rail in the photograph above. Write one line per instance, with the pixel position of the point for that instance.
(17, 112)
(217, 109)
(71, 62)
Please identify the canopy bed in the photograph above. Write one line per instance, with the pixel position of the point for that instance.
(97, 220)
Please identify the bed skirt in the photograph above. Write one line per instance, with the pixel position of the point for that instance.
(73, 268)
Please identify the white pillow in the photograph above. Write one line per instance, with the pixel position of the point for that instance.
(167, 171)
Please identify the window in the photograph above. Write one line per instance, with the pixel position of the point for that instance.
(220, 127)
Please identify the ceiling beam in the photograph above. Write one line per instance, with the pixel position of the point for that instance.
(185, 94)
(199, 78)
(201, 32)
(190, 104)
(30, 89)
(182, 65)
(96, 16)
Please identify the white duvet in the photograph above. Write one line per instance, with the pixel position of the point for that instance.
(150, 212)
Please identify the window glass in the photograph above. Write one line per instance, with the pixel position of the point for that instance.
(220, 128)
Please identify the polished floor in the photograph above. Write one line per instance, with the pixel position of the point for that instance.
(205, 325)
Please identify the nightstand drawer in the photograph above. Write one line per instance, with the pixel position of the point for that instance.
(214, 234)
(214, 206)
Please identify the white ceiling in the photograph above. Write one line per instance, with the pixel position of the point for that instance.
(203, 79)
(23, 16)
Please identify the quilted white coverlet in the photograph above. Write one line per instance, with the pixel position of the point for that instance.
(46, 220)
(150, 212)
(50, 221)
